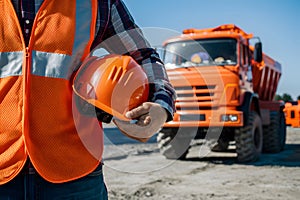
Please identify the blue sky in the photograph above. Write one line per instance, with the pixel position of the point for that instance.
(276, 22)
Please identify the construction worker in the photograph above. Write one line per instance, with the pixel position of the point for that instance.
(42, 44)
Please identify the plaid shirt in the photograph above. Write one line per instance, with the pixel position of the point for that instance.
(117, 33)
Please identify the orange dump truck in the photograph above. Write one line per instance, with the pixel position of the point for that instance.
(292, 114)
(225, 89)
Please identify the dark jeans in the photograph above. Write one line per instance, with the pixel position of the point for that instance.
(30, 186)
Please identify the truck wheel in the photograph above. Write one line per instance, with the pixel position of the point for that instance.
(173, 147)
(275, 133)
(249, 139)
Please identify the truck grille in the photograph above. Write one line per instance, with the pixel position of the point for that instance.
(195, 97)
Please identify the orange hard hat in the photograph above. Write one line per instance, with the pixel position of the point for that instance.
(113, 83)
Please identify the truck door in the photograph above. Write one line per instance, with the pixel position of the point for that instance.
(246, 69)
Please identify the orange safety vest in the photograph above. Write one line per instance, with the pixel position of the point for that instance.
(37, 114)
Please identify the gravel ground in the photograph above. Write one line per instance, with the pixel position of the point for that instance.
(139, 171)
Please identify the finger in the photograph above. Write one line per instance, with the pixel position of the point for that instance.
(144, 120)
(139, 111)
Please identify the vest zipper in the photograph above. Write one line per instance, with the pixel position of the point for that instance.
(27, 54)
(26, 91)
(27, 67)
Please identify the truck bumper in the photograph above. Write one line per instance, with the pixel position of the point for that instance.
(207, 118)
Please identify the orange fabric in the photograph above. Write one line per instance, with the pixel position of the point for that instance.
(12, 148)
(37, 114)
(12, 33)
(58, 140)
(52, 36)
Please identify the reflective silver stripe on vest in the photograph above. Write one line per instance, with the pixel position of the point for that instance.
(11, 64)
(50, 65)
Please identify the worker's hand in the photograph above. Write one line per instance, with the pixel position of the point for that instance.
(149, 117)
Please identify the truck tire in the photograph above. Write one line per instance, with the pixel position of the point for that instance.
(275, 133)
(173, 147)
(249, 139)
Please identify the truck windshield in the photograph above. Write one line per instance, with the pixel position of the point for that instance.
(204, 52)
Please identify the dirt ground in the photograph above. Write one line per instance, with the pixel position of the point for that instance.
(139, 171)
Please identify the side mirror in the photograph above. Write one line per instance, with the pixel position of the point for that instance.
(258, 55)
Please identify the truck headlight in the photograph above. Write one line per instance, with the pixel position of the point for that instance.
(229, 118)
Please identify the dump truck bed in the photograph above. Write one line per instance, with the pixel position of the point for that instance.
(266, 76)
